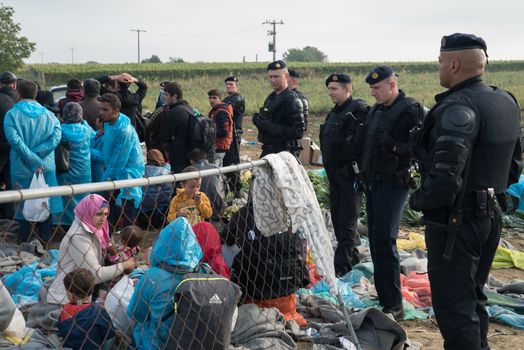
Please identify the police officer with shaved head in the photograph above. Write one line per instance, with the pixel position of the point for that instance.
(386, 161)
(341, 158)
(280, 122)
(470, 153)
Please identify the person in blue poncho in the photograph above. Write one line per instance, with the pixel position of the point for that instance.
(151, 305)
(33, 133)
(97, 152)
(122, 155)
(77, 134)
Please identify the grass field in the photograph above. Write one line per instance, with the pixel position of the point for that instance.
(417, 79)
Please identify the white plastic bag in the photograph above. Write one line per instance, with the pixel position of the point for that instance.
(37, 209)
(117, 301)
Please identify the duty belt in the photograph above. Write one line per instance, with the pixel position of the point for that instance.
(283, 146)
(379, 177)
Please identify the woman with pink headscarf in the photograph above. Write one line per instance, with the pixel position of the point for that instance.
(85, 246)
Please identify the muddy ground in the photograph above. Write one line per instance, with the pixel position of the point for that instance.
(425, 332)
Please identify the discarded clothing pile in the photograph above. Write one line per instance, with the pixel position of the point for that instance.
(28, 266)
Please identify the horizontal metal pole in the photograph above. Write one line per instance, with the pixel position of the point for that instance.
(68, 190)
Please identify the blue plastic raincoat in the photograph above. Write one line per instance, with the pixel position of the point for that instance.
(152, 302)
(79, 135)
(123, 157)
(33, 133)
(97, 156)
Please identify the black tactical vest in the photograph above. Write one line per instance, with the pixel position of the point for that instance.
(375, 160)
(335, 129)
(277, 109)
(499, 118)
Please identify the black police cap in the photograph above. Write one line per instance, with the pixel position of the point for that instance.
(462, 41)
(276, 65)
(231, 78)
(293, 73)
(338, 78)
(7, 77)
(380, 73)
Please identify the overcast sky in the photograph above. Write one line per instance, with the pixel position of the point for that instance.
(228, 30)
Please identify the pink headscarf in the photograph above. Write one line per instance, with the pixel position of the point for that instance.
(86, 209)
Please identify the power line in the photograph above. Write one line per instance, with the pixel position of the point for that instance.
(138, 31)
(272, 47)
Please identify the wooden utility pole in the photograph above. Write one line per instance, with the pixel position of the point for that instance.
(272, 47)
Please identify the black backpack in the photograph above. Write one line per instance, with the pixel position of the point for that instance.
(204, 304)
(203, 133)
(62, 157)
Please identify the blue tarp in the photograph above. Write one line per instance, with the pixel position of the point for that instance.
(23, 285)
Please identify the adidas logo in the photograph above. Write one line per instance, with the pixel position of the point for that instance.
(215, 300)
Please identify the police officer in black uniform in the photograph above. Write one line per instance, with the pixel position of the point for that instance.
(470, 152)
(293, 85)
(386, 162)
(280, 122)
(341, 158)
(235, 99)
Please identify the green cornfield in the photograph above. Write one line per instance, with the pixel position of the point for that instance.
(417, 79)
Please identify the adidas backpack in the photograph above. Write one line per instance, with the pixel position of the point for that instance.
(204, 305)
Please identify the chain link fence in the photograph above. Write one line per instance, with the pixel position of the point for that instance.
(178, 270)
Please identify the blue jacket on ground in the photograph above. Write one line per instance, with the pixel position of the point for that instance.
(123, 157)
(97, 157)
(152, 302)
(33, 133)
(79, 136)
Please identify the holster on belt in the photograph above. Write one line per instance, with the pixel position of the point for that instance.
(482, 203)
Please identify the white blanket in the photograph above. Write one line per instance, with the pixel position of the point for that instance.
(283, 195)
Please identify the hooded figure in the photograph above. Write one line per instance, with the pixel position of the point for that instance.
(33, 133)
(209, 240)
(151, 305)
(123, 157)
(77, 133)
(157, 197)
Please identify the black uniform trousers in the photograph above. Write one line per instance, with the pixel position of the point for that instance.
(345, 202)
(384, 205)
(457, 286)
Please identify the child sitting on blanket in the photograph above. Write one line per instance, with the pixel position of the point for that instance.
(189, 202)
(84, 324)
(130, 236)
